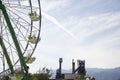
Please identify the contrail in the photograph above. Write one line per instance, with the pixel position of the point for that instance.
(53, 20)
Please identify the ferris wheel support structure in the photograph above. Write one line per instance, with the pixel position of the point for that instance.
(12, 32)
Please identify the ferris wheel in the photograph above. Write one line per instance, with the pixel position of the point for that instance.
(20, 26)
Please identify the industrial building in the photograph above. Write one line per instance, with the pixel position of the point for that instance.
(76, 72)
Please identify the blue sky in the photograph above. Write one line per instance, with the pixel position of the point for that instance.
(79, 29)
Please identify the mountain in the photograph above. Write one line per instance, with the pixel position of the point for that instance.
(104, 74)
(98, 73)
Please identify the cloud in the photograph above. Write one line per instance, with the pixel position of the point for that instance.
(98, 35)
(95, 24)
(106, 26)
(103, 26)
(53, 4)
(95, 56)
(98, 54)
(53, 20)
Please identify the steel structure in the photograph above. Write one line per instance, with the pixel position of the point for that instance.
(20, 25)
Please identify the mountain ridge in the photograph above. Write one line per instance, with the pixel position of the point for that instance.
(98, 73)
(104, 74)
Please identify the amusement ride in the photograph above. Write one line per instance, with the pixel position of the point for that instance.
(20, 27)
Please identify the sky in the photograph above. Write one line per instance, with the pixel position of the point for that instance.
(80, 30)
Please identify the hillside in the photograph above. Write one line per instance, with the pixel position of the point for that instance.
(99, 73)
(104, 74)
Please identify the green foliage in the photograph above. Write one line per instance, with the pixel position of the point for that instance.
(59, 79)
(81, 77)
(42, 74)
(5, 78)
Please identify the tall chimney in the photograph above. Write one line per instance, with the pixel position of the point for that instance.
(73, 66)
(60, 65)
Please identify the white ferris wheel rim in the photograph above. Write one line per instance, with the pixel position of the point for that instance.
(13, 7)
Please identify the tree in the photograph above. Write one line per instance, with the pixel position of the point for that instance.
(42, 74)
(5, 78)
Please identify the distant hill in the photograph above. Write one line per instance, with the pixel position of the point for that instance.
(99, 73)
(104, 74)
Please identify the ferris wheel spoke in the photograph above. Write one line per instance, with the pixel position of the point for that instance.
(10, 48)
(1, 54)
(10, 45)
(14, 6)
(22, 19)
(23, 6)
(27, 32)
(15, 2)
(24, 39)
(8, 42)
(19, 30)
(21, 26)
(6, 36)
(18, 10)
